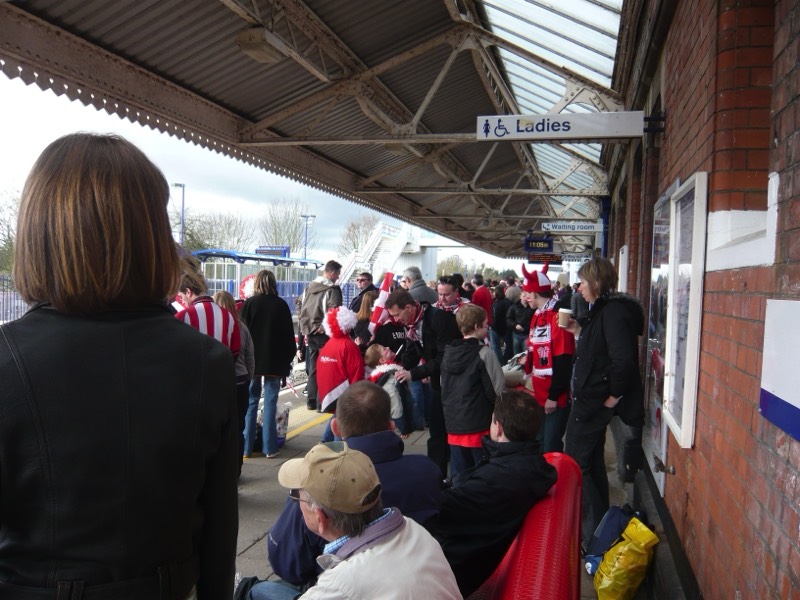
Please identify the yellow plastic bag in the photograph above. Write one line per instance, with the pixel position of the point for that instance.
(624, 566)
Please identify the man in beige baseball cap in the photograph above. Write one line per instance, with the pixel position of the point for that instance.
(372, 552)
(335, 475)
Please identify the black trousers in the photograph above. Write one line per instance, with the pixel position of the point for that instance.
(315, 344)
(585, 442)
(438, 449)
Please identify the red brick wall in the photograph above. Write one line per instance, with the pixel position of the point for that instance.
(744, 92)
(633, 211)
(688, 94)
(734, 497)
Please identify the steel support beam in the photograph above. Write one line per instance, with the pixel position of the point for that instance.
(455, 191)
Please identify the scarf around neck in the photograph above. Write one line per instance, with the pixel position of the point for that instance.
(539, 340)
(452, 307)
(412, 329)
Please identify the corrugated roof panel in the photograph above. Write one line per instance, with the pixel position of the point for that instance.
(192, 44)
(377, 31)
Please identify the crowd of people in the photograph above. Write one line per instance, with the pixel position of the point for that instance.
(101, 377)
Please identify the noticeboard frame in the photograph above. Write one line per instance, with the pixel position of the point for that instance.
(687, 250)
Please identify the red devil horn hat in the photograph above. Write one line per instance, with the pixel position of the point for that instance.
(536, 281)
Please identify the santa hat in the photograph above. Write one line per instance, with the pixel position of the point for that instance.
(246, 287)
(339, 321)
(536, 282)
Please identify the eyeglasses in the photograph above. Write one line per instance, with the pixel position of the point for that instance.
(294, 494)
(361, 279)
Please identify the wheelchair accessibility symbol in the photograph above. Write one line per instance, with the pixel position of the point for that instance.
(500, 130)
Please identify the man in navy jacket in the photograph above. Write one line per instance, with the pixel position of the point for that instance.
(411, 483)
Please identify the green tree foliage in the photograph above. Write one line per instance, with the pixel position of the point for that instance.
(507, 272)
(489, 273)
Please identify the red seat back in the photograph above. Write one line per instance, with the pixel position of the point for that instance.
(543, 561)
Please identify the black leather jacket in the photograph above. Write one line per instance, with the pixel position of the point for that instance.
(118, 457)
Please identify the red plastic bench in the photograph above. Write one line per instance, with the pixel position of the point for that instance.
(543, 561)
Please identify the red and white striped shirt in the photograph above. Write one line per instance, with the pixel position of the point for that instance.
(208, 317)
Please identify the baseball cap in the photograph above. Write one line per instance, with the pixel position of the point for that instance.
(336, 476)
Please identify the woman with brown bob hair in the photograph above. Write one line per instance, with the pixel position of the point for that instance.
(117, 454)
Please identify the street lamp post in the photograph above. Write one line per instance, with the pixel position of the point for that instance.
(308, 220)
(183, 205)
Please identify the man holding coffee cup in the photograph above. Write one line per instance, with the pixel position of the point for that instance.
(548, 362)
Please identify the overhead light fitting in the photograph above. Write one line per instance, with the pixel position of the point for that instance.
(257, 43)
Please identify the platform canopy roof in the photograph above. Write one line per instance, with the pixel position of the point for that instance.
(375, 101)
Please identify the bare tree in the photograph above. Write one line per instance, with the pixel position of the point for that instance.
(450, 265)
(216, 230)
(9, 209)
(283, 225)
(357, 232)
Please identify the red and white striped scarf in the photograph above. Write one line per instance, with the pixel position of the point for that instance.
(413, 328)
(452, 307)
(540, 354)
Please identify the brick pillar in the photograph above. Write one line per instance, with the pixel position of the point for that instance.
(744, 93)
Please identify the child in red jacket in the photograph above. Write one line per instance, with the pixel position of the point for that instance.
(339, 362)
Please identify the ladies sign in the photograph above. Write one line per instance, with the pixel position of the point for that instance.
(585, 126)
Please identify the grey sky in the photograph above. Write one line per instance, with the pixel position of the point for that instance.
(30, 119)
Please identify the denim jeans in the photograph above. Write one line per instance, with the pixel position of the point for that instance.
(586, 442)
(327, 435)
(494, 341)
(421, 393)
(272, 386)
(519, 342)
(273, 590)
(462, 458)
(509, 351)
(551, 434)
(242, 404)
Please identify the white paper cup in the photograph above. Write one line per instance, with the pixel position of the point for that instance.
(564, 315)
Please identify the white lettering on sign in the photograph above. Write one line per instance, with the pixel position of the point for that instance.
(582, 126)
(573, 226)
(661, 229)
(579, 257)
